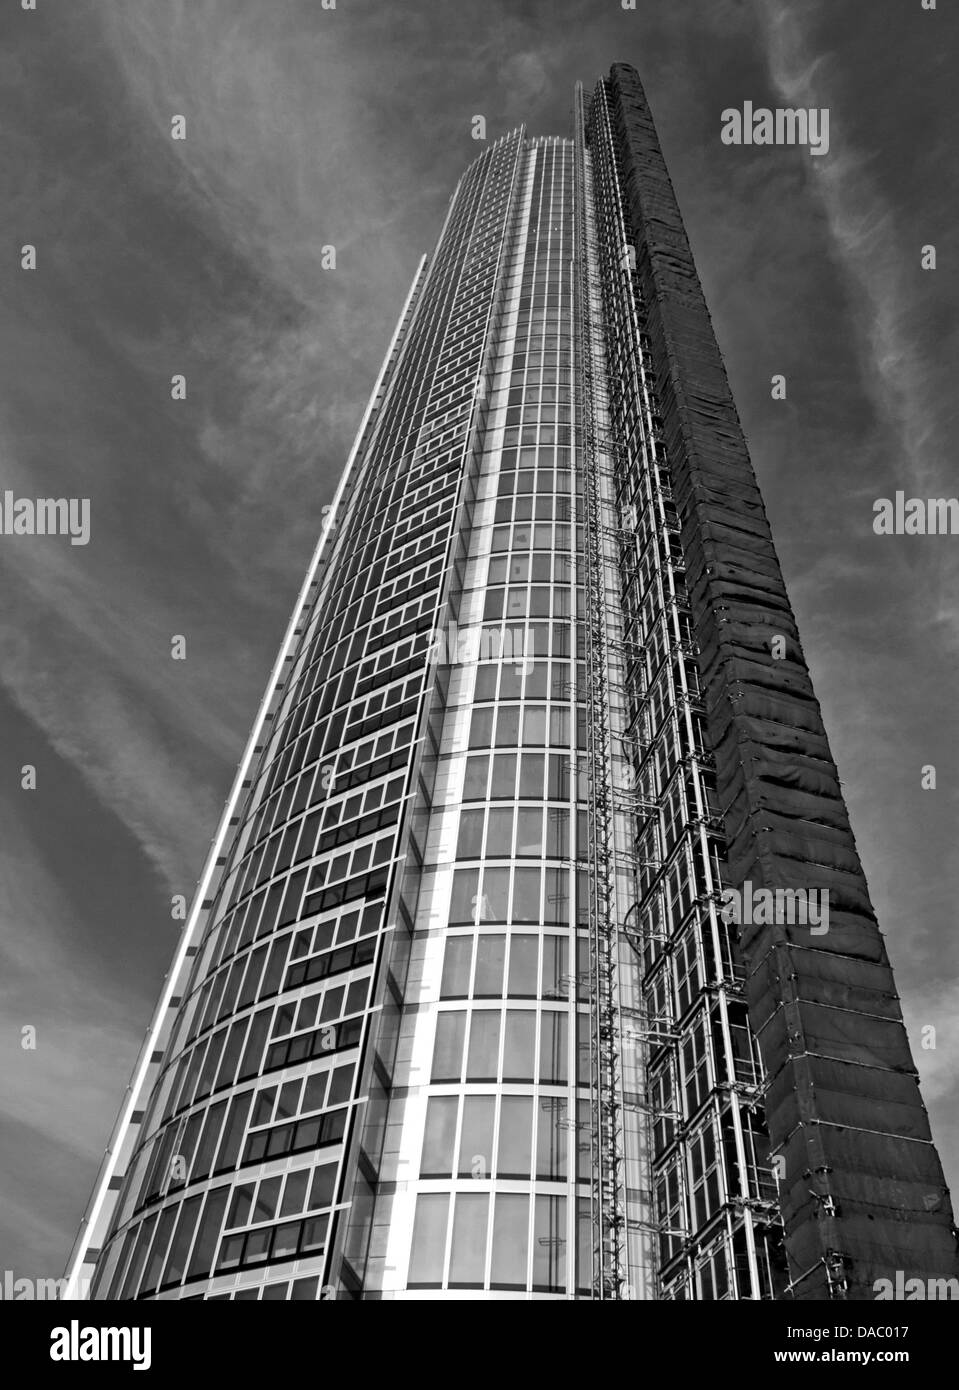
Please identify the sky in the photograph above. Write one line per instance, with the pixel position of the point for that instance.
(309, 127)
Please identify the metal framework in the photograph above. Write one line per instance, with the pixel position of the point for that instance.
(606, 1154)
(632, 534)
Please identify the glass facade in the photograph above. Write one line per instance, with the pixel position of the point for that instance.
(378, 1076)
(456, 1013)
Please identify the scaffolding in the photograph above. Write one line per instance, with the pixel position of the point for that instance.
(606, 1149)
(624, 459)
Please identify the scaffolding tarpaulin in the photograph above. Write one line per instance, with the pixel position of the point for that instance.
(863, 1194)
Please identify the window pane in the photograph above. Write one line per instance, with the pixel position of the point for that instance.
(341, 1085)
(485, 683)
(523, 960)
(481, 728)
(468, 1257)
(559, 777)
(158, 1254)
(552, 1058)
(504, 775)
(294, 1194)
(551, 1136)
(526, 895)
(490, 959)
(555, 967)
(531, 775)
(180, 1248)
(264, 1208)
(536, 681)
(208, 1234)
(549, 1243)
(520, 1037)
(529, 830)
(484, 1045)
(534, 726)
(510, 1242)
(211, 1133)
(429, 1239)
(324, 1183)
(512, 683)
(448, 1047)
(557, 833)
(439, 1137)
(499, 841)
(474, 786)
(285, 1239)
(240, 1206)
(494, 904)
(144, 1233)
(507, 726)
(456, 968)
(584, 1246)
(558, 726)
(556, 909)
(469, 844)
(515, 1137)
(476, 1142)
(463, 898)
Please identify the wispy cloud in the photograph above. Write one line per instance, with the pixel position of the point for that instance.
(59, 1094)
(880, 268)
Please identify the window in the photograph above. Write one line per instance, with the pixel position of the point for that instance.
(476, 1142)
(555, 982)
(164, 1231)
(448, 1047)
(463, 900)
(176, 1264)
(439, 1137)
(510, 1242)
(208, 1233)
(523, 960)
(551, 1138)
(468, 1254)
(429, 1240)
(549, 1244)
(490, 960)
(553, 1064)
(499, 839)
(526, 895)
(483, 1046)
(704, 1171)
(529, 831)
(324, 1185)
(519, 1045)
(457, 962)
(494, 903)
(264, 1208)
(515, 1137)
(469, 844)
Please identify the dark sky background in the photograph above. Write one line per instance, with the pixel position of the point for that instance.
(350, 127)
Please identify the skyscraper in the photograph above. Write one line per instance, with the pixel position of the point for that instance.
(486, 992)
